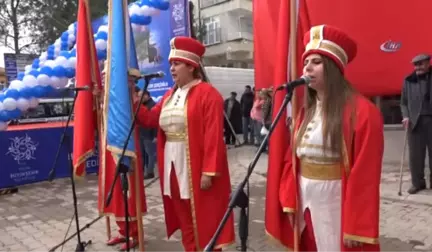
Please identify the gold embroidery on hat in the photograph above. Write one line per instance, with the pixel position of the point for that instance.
(176, 53)
(316, 36)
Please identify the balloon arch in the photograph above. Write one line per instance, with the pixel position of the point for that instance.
(52, 70)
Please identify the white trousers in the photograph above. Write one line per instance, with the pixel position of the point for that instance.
(323, 199)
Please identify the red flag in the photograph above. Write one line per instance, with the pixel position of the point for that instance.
(275, 220)
(265, 19)
(87, 72)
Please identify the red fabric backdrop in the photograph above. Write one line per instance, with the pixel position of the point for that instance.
(371, 24)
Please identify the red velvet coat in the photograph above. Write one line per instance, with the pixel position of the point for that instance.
(364, 146)
(207, 154)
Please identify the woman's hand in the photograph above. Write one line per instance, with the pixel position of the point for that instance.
(206, 182)
(351, 244)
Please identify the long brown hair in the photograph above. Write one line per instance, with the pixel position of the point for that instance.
(337, 91)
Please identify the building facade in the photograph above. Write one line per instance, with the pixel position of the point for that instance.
(227, 32)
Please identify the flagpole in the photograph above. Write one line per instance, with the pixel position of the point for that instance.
(294, 105)
(138, 208)
(99, 123)
(293, 53)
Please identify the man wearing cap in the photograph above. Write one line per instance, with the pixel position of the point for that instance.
(191, 152)
(107, 172)
(416, 106)
(233, 111)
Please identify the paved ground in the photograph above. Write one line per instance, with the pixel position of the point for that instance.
(37, 218)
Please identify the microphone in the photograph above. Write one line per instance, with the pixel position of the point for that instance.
(83, 88)
(159, 74)
(295, 83)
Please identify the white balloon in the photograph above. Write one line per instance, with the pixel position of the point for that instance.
(3, 126)
(145, 10)
(101, 44)
(16, 84)
(50, 63)
(22, 104)
(57, 43)
(71, 38)
(63, 82)
(56, 50)
(29, 81)
(42, 58)
(60, 61)
(103, 28)
(28, 68)
(9, 104)
(71, 29)
(1, 106)
(71, 62)
(55, 82)
(134, 10)
(43, 80)
(33, 102)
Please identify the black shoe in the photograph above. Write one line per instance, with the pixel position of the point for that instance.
(149, 176)
(414, 190)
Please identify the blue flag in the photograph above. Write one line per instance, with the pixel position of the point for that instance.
(119, 112)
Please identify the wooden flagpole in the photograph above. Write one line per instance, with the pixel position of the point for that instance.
(293, 53)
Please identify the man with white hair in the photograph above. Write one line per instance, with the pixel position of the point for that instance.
(416, 106)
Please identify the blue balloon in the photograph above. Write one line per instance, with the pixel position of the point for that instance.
(102, 35)
(4, 117)
(20, 76)
(73, 52)
(35, 64)
(2, 97)
(42, 91)
(144, 2)
(59, 71)
(33, 72)
(141, 20)
(14, 114)
(64, 36)
(47, 71)
(101, 55)
(64, 46)
(26, 92)
(70, 72)
(50, 49)
(163, 5)
(50, 56)
(65, 54)
(12, 93)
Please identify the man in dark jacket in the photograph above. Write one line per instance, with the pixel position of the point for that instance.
(246, 103)
(148, 140)
(416, 106)
(233, 112)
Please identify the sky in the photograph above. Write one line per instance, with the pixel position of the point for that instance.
(2, 50)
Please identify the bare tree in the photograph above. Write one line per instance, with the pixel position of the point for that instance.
(15, 15)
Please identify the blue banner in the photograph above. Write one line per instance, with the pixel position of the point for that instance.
(27, 156)
(153, 44)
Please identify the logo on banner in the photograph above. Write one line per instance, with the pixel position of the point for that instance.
(178, 13)
(22, 149)
(390, 46)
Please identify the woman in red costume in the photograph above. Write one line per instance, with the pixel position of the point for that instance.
(192, 158)
(331, 191)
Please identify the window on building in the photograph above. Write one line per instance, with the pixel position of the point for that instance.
(212, 31)
(207, 3)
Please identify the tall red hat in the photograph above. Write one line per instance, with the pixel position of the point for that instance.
(187, 50)
(331, 42)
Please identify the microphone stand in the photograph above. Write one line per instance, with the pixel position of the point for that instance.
(122, 169)
(239, 197)
(65, 139)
